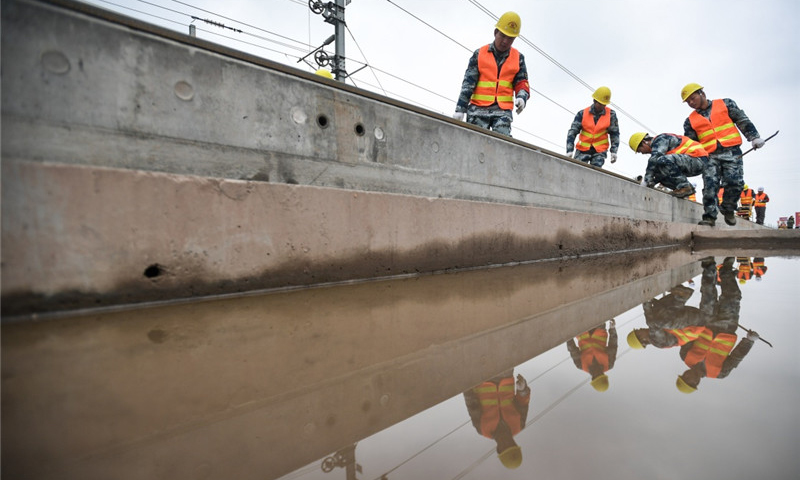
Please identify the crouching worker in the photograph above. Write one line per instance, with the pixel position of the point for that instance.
(673, 158)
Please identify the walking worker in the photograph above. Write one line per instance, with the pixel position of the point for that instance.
(714, 124)
(746, 203)
(597, 130)
(760, 202)
(673, 158)
(496, 81)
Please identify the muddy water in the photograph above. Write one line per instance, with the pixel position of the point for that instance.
(379, 379)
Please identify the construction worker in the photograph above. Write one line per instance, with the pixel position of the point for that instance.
(496, 81)
(759, 268)
(714, 124)
(745, 202)
(597, 130)
(595, 353)
(713, 354)
(745, 270)
(790, 222)
(670, 322)
(499, 412)
(672, 159)
(760, 202)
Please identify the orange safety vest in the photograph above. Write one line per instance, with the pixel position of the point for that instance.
(686, 335)
(494, 86)
(761, 200)
(718, 128)
(745, 272)
(713, 350)
(689, 147)
(747, 197)
(593, 347)
(594, 134)
(758, 268)
(497, 400)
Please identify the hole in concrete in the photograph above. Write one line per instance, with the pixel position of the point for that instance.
(153, 271)
(360, 130)
(322, 121)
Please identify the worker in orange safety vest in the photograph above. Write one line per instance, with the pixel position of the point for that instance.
(595, 353)
(760, 202)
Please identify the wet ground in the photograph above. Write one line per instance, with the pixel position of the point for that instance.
(415, 378)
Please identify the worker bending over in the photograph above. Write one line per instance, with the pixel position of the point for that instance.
(673, 158)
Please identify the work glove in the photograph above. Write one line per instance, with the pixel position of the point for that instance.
(752, 336)
(757, 143)
(522, 384)
(460, 116)
(613, 157)
(520, 104)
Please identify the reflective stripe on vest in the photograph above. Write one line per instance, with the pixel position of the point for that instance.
(593, 347)
(761, 200)
(686, 335)
(719, 127)
(594, 134)
(497, 400)
(493, 87)
(689, 147)
(713, 350)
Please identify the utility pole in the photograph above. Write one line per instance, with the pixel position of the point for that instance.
(334, 14)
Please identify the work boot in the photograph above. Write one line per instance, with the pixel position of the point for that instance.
(730, 218)
(683, 192)
(708, 222)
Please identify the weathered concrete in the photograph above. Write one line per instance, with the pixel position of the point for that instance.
(140, 164)
(257, 387)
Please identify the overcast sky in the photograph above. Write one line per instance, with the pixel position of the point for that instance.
(645, 52)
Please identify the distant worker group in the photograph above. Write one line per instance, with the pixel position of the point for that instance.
(496, 82)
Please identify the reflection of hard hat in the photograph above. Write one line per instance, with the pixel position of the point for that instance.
(600, 383)
(602, 95)
(636, 140)
(683, 386)
(742, 281)
(634, 342)
(510, 24)
(689, 89)
(511, 457)
(324, 73)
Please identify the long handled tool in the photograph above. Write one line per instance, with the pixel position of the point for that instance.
(765, 141)
(759, 337)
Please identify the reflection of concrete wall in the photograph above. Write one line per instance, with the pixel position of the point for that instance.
(256, 387)
(127, 152)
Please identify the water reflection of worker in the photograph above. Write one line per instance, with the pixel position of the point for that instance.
(670, 322)
(498, 408)
(595, 353)
(745, 270)
(759, 269)
(713, 354)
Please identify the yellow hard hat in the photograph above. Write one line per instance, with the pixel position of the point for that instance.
(600, 383)
(683, 386)
(634, 342)
(636, 140)
(602, 95)
(510, 24)
(324, 73)
(746, 187)
(511, 457)
(689, 89)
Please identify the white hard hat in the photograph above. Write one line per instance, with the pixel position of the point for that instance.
(760, 189)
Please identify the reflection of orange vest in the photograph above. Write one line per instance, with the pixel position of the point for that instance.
(689, 147)
(686, 335)
(593, 347)
(719, 127)
(493, 86)
(594, 134)
(761, 199)
(498, 401)
(745, 273)
(747, 197)
(713, 350)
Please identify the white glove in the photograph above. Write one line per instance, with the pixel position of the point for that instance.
(757, 143)
(752, 336)
(522, 384)
(613, 158)
(520, 104)
(460, 116)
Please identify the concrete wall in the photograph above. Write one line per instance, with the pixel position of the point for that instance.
(141, 164)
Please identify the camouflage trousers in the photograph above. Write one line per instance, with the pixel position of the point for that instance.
(725, 170)
(595, 159)
(496, 120)
(672, 170)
